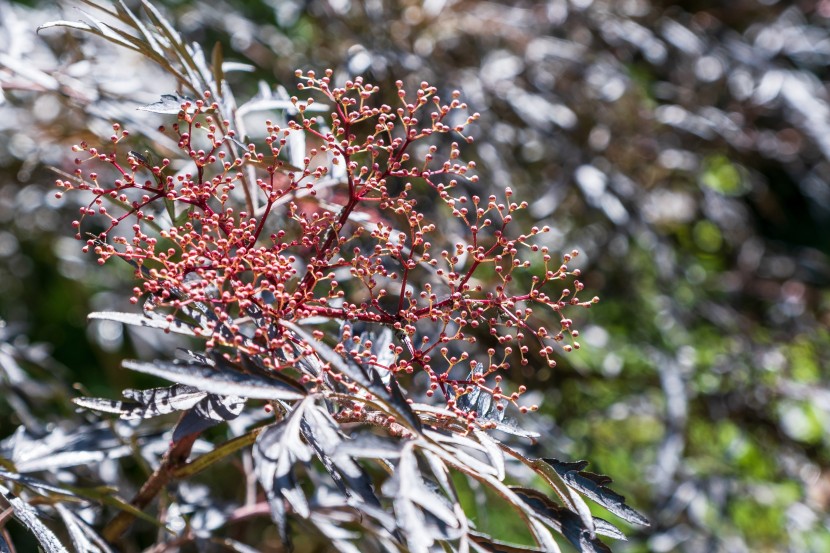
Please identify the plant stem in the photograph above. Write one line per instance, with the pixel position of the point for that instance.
(174, 459)
(201, 463)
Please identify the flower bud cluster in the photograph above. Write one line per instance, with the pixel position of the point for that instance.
(268, 247)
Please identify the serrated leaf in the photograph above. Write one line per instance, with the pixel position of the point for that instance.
(177, 47)
(380, 337)
(146, 404)
(569, 497)
(396, 397)
(219, 408)
(605, 528)
(440, 472)
(413, 500)
(455, 443)
(340, 538)
(165, 400)
(480, 401)
(29, 517)
(139, 26)
(101, 404)
(593, 486)
(565, 521)
(197, 58)
(252, 365)
(509, 427)
(276, 451)
(197, 311)
(540, 532)
(322, 432)
(113, 35)
(370, 381)
(209, 412)
(210, 379)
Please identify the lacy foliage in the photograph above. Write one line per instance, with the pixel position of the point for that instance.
(373, 339)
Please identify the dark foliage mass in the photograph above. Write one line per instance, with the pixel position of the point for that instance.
(682, 148)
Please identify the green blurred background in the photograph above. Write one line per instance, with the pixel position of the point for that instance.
(683, 147)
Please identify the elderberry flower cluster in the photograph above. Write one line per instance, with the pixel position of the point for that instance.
(288, 258)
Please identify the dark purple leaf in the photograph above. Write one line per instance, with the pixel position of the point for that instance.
(479, 401)
(368, 379)
(165, 400)
(380, 337)
(469, 452)
(593, 486)
(565, 521)
(423, 515)
(395, 395)
(252, 365)
(322, 432)
(276, 451)
(509, 427)
(210, 379)
(209, 412)
(340, 538)
(145, 404)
